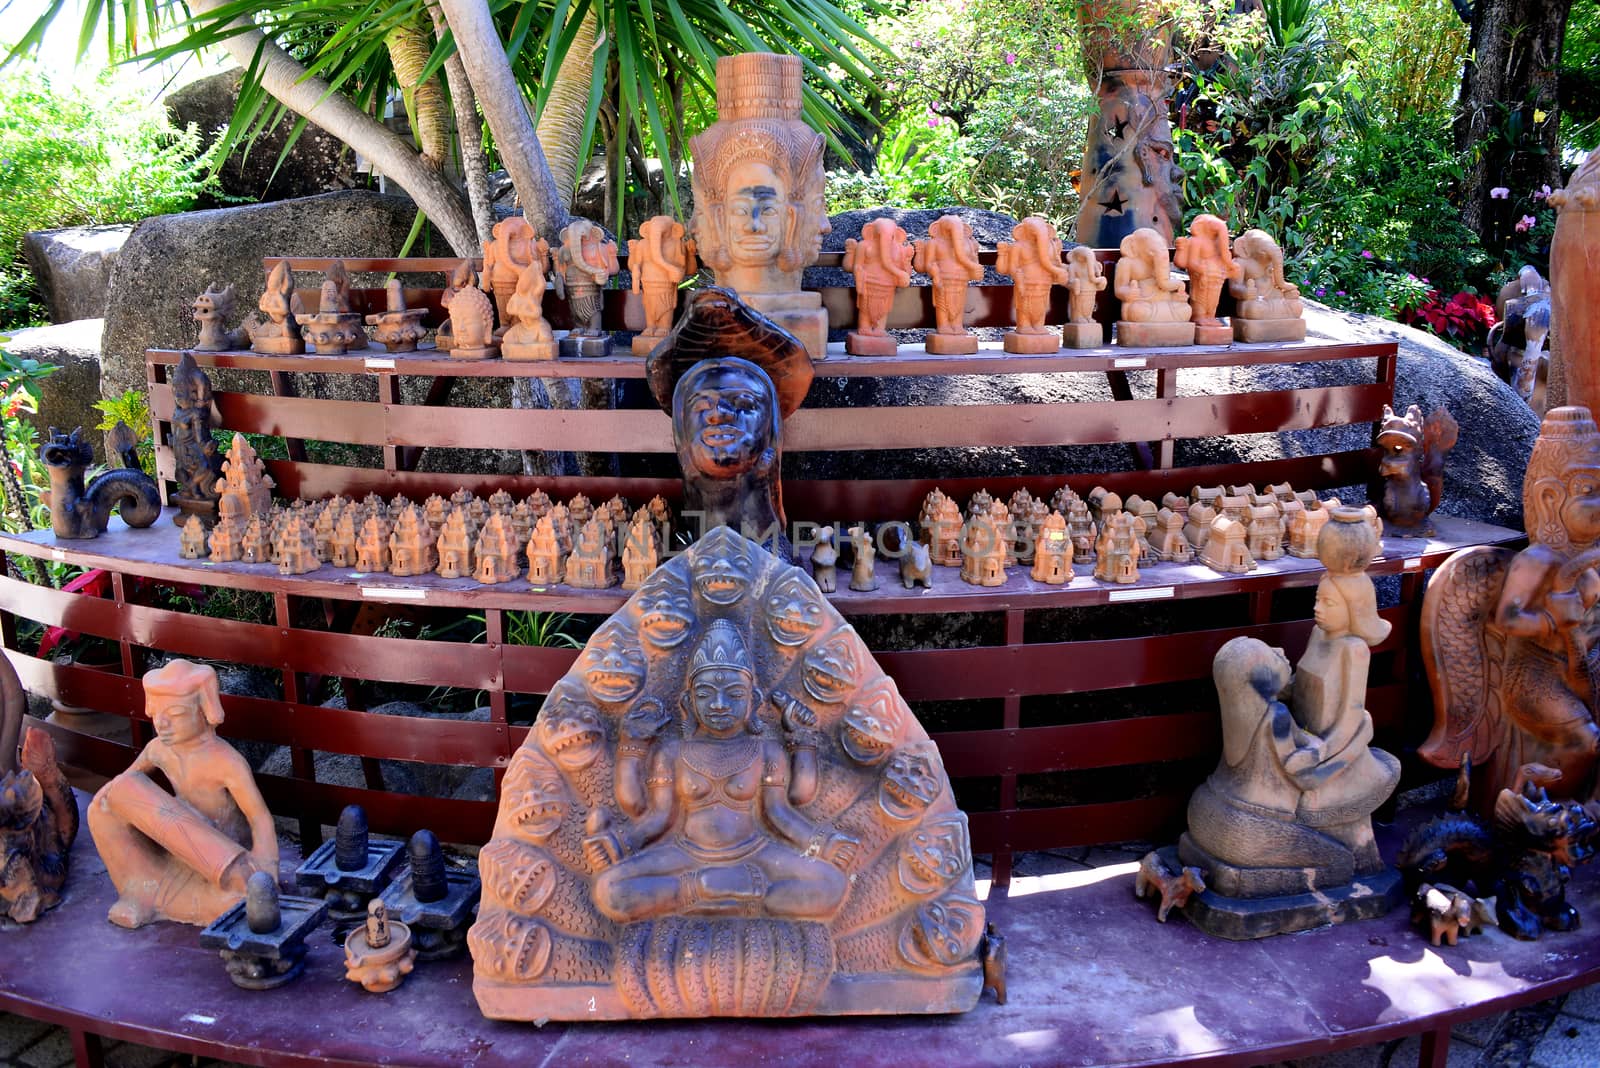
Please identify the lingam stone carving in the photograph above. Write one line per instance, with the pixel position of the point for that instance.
(1283, 827)
(1033, 260)
(1413, 467)
(280, 334)
(658, 261)
(184, 855)
(1155, 303)
(334, 329)
(759, 216)
(399, 328)
(1205, 255)
(726, 768)
(212, 310)
(196, 463)
(1266, 307)
(471, 322)
(38, 813)
(379, 954)
(949, 257)
(584, 264)
(1086, 279)
(881, 263)
(1574, 280)
(1509, 637)
(512, 251)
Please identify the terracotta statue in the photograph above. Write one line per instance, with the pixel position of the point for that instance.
(322, 528)
(658, 262)
(1052, 556)
(825, 561)
(1007, 531)
(1574, 280)
(580, 509)
(589, 567)
(683, 787)
(398, 329)
(38, 813)
(1083, 532)
(561, 521)
(192, 540)
(1413, 467)
(184, 855)
(334, 329)
(1204, 254)
(342, 546)
(255, 545)
(983, 552)
(1266, 307)
(1226, 547)
(508, 256)
(280, 334)
(212, 310)
(1155, 303)
(495, 552)
(245, 478)
(434, 509)
(379, 954)
(411, 545)
(471, 322)
(881, 263)
(1086, 279)
(1264, 537)
(459, 278)
(1033, 260)
(949, 257)
(759, 216)
(916, 566)
(372, 545)
(226, 542)
(1117, 555)
(1305, 526)
(1508, 637)
(639, 556)
(584, 264)
(455, 546)
(1174, 888)
(545, 566)
(862, 579)
(1283, 827)
(295, 548)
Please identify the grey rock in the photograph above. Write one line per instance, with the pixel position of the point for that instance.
(66, 398)
(318, 163)
(73, 268)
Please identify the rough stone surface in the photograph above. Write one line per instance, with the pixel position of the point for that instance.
(72, 268)
(66, 398)
(318, 163)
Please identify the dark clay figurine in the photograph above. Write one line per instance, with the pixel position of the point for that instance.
(79, 512)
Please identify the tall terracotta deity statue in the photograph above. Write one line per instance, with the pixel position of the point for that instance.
(726, 809)
(1086, 280)
(197, 464)
(1205, 255)
(1266, 307)
(585, 263)
(949, 257)
(514, 249)
(881, 263)
(1155, 302)
(658, 262)
(1574, 281)
(1033, 260)
(759, 216)
(1509, 637)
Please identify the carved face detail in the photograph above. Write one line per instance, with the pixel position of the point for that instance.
(570, 730)
(935, 856)
(519, 876)
(831, 669)
(720, 569)
(911, 781)
(794, 610)
(612, 665)
(725, 421)
(510, 947)
(757, 214)
(1332, 611)
(536, 798)
(664, 611)
(721, 699)
(178, 718)
(943, 933)
(871, 729)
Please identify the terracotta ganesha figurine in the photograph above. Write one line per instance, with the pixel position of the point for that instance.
(1033, 260)
(1508, 637)
(726, 768)
(658, 262)
(1155, 303)
(1086, 280)
(1266, 307)
(1205, 255)
(881, 263)
(949, 257)
(584, 264)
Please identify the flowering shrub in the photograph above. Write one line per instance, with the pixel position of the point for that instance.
(1463, 320)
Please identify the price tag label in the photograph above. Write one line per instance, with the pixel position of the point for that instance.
(380, 365)
(58, 555)
(1151, 593)
(1128, 361)
(394, 593)
(1413, 563)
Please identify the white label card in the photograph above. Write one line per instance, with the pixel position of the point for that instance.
(1128, 361)
(394, 593)
(380, 365)
(1152, 593)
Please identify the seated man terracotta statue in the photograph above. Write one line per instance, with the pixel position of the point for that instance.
(185, 855)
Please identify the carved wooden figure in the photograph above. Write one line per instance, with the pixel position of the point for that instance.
(682, 787)
(585, 262)
(496, 552)
(949, 257)
(1155, 302)
(38, 813)
(1205, 255)
(862, 578)
(1414, 450)
(1033, 260)
(1086, 279)
(1266, 307)
(658, 262)
(881, 263)
(280, 334)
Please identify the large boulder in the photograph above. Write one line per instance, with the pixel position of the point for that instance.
(66, 398)
(73, 268)
(318, 163)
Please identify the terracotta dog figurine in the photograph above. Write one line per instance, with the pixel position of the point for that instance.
(1176, 887)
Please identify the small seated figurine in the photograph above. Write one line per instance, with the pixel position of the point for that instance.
(1264, 537)
(192, 540)
(1266, 307)
(584, 264)
(589, 566)
(334, 329)
(1167, 540)
(1155, 304)
(411, 545)
(1052, 554)
(639, 556)
(1118, 553)
(983, 552)
(881, 263)
(399, 328)
(212, 310)
(496, 552)
(658, 262)
(1204, 254)
(296, 548)
(455, 546)
(916, 567)
(545, 566)
(471, 321)
(825, 561)
(1086, 279)
(528, 335)
(372, 545)
(862, 578)
(342, 546)
(1226, 546)
(280, 334)
(1413, 467)
(186, 855)
(1033, 260)
(949, 257)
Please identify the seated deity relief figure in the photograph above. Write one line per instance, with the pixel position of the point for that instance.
(1283, 827)
(1266, 306)
(185, 855)
(1508, 637)
(726, 767)
(1155, 302)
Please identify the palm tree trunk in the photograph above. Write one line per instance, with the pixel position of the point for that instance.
(290, 85)
(410, 44)
(469, 133)
(561, 129)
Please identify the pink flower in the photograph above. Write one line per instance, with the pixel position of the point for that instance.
(1366, 254)
(1011, 59)
(1525, 224)
(1542, 192)
(1499, 192)
(933, 122)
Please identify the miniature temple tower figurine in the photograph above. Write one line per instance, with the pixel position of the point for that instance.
(411, 545)
(1508, 637)
(1283, 827)
(471, 322)
(342, 546)
(1264, 536)
(825, 561)
(1086, 279)
(507, 257)
(1266, 307)
(245, 478)
(496, 552)
(79, 511)
(1033, 260)
(335, 329)
(226, 541)
(184, 855)
(589, 565)
(212, 310)
(38, 812)
(545, 565)
(1573, 273)
(196, 463)
(584, 264)
(942, 529)
(1081, 529)
(862, 579)
(1204, 254)
(759, 216)
(658, 261)
(296, 548)
(1413, 467)
(1155, 304)
(1226, 547)
(372, 545)
(280, 334)
(949, 257)
(638, 551)
(1167, 540)
(881, 263)
(192, 540)
(399, 328)
(682, 787)
(1117, 555)
(255, 544)
(455, 546)
(1052, 555)
(729, 377)
(983, 551)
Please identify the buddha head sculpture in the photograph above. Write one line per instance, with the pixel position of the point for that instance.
(758, 179)
(1561, 491)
